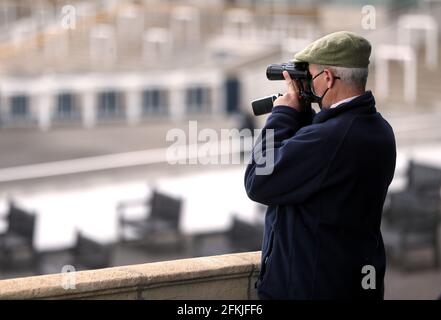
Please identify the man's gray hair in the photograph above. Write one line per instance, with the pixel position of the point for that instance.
(354, 77)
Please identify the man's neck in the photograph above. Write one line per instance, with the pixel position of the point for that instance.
(342, 95)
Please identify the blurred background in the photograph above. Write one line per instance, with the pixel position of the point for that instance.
(90, 90)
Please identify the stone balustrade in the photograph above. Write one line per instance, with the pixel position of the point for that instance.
(230, 276)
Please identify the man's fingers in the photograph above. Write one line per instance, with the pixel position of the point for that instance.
(289, 81)
(292, 86)
(296, 88)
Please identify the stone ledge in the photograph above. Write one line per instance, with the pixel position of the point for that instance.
(230, 276)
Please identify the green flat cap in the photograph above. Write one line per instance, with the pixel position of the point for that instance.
(339, 49)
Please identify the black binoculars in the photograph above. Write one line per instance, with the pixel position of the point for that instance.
(299, 72)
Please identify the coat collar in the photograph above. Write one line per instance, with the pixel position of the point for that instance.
(363, 104)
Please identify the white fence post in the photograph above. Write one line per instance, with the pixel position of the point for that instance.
(185, 21)
(130, 24)
(88, 106)
(157, 44)
(405, 54)
(103, 44)
(134, 105)
(43, 106)
(409, 22)
(177, 98)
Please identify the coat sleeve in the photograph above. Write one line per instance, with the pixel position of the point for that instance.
(299, 159)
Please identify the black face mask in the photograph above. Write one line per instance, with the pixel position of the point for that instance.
(316, 98)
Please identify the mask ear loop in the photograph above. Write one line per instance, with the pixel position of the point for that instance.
(316, 98)
(311, 81)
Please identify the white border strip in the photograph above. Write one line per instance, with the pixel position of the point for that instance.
(122, 160)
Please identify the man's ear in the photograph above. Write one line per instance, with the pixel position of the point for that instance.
(329, 77)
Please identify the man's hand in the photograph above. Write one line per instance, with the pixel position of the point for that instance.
(291, 98)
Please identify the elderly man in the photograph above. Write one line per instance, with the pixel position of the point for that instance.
(330, 176)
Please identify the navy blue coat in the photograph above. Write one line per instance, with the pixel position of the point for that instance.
(325, 197)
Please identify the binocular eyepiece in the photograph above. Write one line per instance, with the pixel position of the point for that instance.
(298, 71)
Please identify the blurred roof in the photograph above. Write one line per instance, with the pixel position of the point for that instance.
(109, 36)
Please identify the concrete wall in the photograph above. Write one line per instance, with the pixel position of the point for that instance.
(229, 276)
